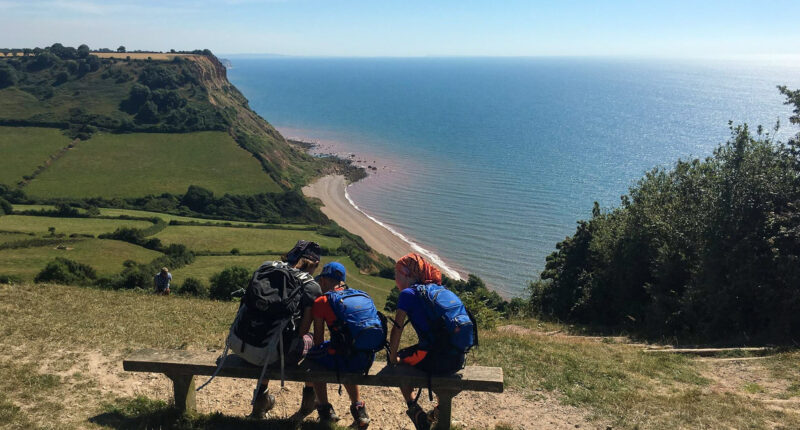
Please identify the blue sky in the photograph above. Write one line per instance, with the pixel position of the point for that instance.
(675, 28)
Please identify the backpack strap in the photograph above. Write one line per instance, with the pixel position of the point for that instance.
(474, 328)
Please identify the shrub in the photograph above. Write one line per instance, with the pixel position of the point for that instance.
(386, 272)
(391, 300)
(64, 271)
(10, 279)
(228, 281)
(5, 207)
(193, 287)
(704, 251)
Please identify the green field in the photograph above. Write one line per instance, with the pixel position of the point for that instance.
(106, 256)
(40, 224)
(137, 164)
(111, 212)
(6, 237)
(169, 217)
(206, 266)
(223, 239)
(23, 149)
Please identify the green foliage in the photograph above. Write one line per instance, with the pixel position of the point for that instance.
(193, 287)
(391, 300)
(5, 207)
(228, 281)
(8, 76)
(475, 291)
(10, 279)
(65, 271)
(136, 275)
(707, 250)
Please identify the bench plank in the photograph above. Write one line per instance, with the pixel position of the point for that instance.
(179, 362)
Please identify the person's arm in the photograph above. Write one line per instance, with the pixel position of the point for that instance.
(319, 331)
(305, 323)
(397, 332)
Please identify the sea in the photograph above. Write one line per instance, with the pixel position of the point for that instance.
(487, 163)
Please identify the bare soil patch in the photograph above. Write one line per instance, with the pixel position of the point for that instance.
(103, 372)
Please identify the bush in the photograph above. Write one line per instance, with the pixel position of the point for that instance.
(387, 273)
(5, 207)
(391, 300)
(228, 281)
(10, 279)
(705, 251)
(68, 272)
(193, 287)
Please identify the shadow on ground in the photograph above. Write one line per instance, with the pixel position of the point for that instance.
(141, 413)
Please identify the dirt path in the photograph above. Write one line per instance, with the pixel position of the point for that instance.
(231, 396)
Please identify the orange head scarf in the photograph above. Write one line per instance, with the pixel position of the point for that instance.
(415, 267)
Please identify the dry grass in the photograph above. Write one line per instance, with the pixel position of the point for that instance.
(42, 382)
(141, 55)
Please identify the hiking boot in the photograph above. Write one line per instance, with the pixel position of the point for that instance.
(359, 412)
(418, 417)
(433, 415)
(326, 413)
(263, 403)
(308, 403)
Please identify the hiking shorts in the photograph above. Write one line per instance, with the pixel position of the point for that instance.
(428, 361)
(324, 355)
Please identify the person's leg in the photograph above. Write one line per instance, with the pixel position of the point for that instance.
(264, 401)
(414, 356)
(352, 392)
(357, 408)
(408, 392)
(321, 390)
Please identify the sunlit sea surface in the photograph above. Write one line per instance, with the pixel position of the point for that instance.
(488, 163)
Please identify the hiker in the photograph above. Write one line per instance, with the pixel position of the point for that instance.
(430, 307)
(278, 288)
(356, 331)
(161, 282)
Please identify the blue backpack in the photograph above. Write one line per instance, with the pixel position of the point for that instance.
(359, 326)
(448, 318)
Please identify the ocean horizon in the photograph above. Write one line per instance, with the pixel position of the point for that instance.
(487, 163)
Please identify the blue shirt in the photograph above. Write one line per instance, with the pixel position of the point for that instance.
(412, 305)
(162, 282)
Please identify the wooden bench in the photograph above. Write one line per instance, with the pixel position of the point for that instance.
(182, 366)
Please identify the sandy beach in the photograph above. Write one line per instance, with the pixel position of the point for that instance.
(330, 189)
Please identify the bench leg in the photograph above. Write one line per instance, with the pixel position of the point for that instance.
(445, 408)
(183, 390)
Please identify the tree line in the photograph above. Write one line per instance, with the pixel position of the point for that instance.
(705, 251)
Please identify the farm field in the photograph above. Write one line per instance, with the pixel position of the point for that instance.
(40, 224)
(23, 149)
(112, 212)
(224, 239)
(206, 266)
(6, 237)
(137, 164)
(169, 217)
(141, 55)
(105, 256)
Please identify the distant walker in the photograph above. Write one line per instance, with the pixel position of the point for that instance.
(161, 282)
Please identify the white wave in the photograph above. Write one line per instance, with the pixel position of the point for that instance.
(431, 255)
